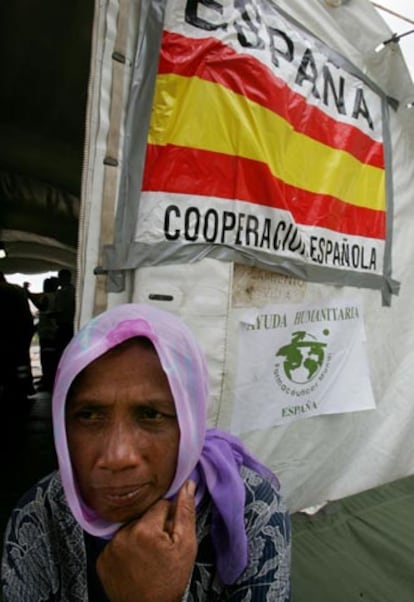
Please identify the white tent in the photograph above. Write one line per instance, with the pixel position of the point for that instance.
(319, 458)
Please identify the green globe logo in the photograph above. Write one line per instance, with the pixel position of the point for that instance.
(304, 357)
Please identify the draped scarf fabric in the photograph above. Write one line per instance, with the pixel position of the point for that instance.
(211, 457)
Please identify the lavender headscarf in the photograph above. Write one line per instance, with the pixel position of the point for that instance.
(212, 458)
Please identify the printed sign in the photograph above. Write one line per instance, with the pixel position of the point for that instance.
(264, 147)
(296, 362)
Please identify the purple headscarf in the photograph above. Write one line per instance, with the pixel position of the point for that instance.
(212, 458)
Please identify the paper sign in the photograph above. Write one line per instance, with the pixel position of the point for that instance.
(295, 362)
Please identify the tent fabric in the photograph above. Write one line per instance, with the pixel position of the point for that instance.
(44, 61)
(39, 225)
(325, 457)
(359, 548)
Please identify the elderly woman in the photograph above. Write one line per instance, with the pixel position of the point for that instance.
(148, 504)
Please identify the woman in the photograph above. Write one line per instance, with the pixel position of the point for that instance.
(147, 503)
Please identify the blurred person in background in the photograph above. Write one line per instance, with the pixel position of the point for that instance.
(65, 310)
(16, 331)
(45, 302)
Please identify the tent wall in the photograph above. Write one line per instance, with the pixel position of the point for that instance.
(320, 458)
(44, 60)
(359, 548)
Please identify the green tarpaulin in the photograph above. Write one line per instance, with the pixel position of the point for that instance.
(358, 549)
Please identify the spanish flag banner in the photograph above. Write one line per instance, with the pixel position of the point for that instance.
(264, 147)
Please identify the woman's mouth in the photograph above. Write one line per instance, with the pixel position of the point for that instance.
(122, 503)
(123, 496)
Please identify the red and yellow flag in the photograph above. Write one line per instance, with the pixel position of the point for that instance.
(258, 130)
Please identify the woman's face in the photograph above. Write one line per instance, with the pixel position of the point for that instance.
(123, 432)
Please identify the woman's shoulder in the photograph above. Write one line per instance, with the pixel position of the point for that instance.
(47, 489)
(42, 536)
(41, 507)
(261, 488)
(265, 509)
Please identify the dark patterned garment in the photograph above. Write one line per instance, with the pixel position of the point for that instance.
(47, 557)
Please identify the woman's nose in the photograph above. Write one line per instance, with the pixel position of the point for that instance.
(120, 447)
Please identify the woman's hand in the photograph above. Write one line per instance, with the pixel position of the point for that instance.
(152, 557)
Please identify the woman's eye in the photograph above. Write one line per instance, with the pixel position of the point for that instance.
(149, 414)
(88, 415)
